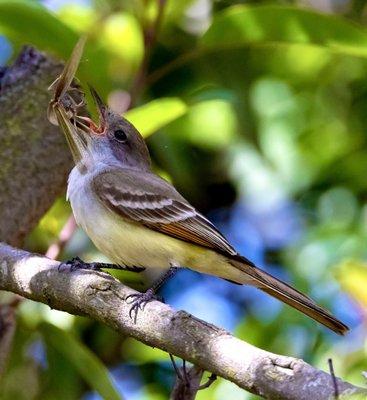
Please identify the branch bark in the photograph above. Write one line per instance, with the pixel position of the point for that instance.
(100, 296)
(31, 149)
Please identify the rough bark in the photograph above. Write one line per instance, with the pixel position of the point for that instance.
(101, 297)
(34, 157)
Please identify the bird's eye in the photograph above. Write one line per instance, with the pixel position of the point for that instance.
(120, 135)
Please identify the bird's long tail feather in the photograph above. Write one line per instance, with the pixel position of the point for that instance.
(288, 295)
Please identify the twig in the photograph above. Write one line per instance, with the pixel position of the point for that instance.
(175, 367)
(212, 378)
(65, 235)
(100, 296)
(187, 382)
(150, 37)
(335, 383)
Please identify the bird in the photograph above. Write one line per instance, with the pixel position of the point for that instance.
(140, 221)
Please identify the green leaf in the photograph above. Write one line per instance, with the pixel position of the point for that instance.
(279, 25)
(210, 124)
(30, 23)
(156, 114)
(27, 22)
(82, 359)
(352, 276)
(285, 41)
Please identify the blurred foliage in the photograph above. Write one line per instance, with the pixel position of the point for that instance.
(156, 114)
(257, 113)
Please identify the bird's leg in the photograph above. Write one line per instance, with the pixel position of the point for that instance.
(140, 300)
(76, 263)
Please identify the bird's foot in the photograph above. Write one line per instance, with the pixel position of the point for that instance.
(76, 263)
(73, 265)
(139, 301)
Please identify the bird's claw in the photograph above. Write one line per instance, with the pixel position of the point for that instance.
(139, 301)
(77, 263)
(72, 265)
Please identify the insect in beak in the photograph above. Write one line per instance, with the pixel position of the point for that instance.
(63, 110)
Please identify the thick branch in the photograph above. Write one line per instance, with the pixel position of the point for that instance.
(34, 158)
(101, 297)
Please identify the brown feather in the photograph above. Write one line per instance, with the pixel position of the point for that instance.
(154, 203)
(290, 296)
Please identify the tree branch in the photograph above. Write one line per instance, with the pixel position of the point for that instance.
(100, 296)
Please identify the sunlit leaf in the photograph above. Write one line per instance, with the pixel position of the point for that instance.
(352, 276)
(285, 26)
(27, 22)
(79, 17)
(82, 359)
(130, 50)
(209, 124)
(156, 114)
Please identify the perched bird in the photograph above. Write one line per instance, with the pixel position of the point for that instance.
(140, 221)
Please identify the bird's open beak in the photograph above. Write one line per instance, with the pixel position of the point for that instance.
(102, 111)
(86, 124)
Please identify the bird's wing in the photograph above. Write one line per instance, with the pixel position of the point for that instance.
(149, 200)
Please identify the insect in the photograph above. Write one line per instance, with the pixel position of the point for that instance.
(68, 100)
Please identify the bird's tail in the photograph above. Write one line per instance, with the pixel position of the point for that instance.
(287, 294)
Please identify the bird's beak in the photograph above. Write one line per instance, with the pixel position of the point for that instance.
(75, 137)
(102, 111)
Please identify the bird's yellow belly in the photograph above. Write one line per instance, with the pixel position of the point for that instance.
(126, 242)
(132, 244)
